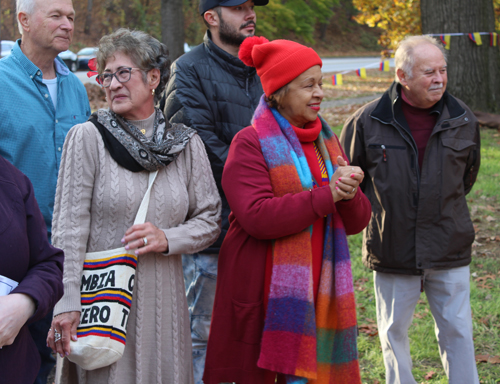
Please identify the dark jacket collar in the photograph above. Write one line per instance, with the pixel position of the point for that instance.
(388, 108)
(230, 63)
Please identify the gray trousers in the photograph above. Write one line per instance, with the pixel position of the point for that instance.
(448, 293)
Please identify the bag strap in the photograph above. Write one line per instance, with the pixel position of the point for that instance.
(143, 208)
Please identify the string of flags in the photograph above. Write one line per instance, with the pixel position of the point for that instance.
(445, 38)
(474, 36)
(384, 65)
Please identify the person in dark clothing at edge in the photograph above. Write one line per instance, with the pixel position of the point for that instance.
(40, 100)
(212, 91)
(419, 148)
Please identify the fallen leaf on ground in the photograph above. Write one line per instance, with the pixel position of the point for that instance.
(490, 218)
(488, 359)
(369, 329)
(482, 358)
(420, 315)
(360, 284)
(486, 277)
(429, 375)
(486, 320)
(484, 285)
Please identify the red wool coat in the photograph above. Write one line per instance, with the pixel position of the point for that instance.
(257, 217)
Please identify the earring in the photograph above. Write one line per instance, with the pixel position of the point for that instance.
(153, 92)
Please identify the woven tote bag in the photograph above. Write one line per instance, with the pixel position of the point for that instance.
(106, 295)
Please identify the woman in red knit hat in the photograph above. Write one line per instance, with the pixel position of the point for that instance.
(284, 306)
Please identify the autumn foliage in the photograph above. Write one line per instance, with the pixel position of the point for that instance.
(397, 18)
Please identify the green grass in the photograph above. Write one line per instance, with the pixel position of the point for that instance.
(485, 288)
(488, 180)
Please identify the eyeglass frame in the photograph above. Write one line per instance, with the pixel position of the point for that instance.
(101, 82)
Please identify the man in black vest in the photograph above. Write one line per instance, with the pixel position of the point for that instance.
(212, 91)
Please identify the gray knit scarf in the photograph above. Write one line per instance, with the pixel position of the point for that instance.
(167, 142)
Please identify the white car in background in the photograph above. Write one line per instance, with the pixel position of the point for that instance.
(7, 46)
(84, 55)
(70, 59)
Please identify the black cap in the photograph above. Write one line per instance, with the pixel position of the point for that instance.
(205, 5)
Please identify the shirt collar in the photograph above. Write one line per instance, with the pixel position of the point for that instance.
(31, 69)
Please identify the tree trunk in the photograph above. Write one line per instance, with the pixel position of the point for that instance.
(15, 28)
(322, 30)
(473, 70)
(88, 18)
(172, 27)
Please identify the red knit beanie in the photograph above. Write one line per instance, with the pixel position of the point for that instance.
(277, 62)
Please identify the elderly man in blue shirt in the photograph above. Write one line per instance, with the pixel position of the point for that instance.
(40, 101)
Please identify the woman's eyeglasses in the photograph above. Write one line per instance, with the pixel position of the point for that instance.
(122, 75)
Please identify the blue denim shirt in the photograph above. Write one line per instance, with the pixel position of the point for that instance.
(32, 132)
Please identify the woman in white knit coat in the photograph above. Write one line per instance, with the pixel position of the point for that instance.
(103, 176)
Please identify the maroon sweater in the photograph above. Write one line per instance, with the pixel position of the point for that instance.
(421, 123)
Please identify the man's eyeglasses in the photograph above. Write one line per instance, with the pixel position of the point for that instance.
(122, 75)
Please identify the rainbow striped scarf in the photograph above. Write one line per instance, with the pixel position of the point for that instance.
(307, 343)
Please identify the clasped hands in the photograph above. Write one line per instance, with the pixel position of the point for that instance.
(345, 181)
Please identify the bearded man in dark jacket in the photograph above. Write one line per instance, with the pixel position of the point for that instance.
(212, 91)
(419, 148)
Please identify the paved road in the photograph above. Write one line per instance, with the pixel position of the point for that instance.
(329, 65)
(352, 100)
(351, 63)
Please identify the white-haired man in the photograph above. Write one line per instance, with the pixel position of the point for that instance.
(40, 101)
(420, 151)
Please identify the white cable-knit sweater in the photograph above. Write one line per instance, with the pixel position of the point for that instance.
(96, 202)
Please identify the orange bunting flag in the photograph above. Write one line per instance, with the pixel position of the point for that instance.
(493, 39)
(384, 66)
(476, 38)
(445, 39)
(337, 79)
(361, 73)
